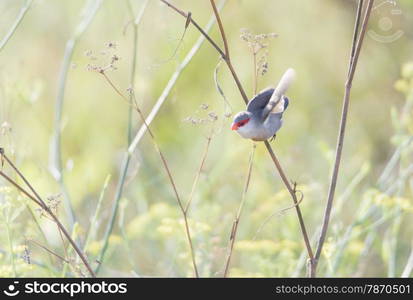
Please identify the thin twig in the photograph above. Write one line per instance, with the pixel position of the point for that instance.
(234, 229)
(198, 173)
(94, 220)
(16, 23)
(55, 156)
(270, 151)
(50, 251)
(279, 212)
(39, 201)
(13, 262)
(172, 81)
(346, 101)
(126, 161)
(255, 74)
(221, 29)
(39, 228)
(135, 142)
(184, 14)
(295, 200)
(166, 167)
(267, 144)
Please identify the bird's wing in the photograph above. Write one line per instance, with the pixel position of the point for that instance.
(260, 101)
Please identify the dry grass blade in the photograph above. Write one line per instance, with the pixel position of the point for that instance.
(227, 105)
(234, 229)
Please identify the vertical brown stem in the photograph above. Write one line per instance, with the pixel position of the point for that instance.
(39, 201)
(355, 52)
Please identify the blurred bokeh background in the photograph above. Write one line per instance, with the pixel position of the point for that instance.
(371, 227)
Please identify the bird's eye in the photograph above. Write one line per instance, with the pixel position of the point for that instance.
(243, 122)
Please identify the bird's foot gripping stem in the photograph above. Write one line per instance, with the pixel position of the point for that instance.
(273, 138)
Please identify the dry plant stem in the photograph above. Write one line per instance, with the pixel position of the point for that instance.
(267, 144)
(63, 242)
(16, 23)
(44, 238)
(221, 29)
(352, 68)
(184, 14)
(39, 201)
(50, 251)
(255, 78)
(166, 167)
(226, 55)
(245, 98)
(234, 229)
(293, 194)
(93, 221)
(198, 173)
(55, 157)
(279, 212)
(126, 160)
(135, 142)
(171, 83)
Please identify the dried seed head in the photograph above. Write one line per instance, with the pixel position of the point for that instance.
(5, 128)
(53, 202)
(112, 45)
(213, 116)
(204, 106)
(26, 255)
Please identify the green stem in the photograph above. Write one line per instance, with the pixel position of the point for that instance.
(16, 23)
(55, 156)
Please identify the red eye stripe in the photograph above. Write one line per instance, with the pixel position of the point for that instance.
(243, 122)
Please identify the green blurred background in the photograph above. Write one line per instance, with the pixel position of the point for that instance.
(371, 228)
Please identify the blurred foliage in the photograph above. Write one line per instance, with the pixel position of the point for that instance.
(371, 228)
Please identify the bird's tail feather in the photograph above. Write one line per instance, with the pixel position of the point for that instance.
(276, 103)
(281, 106)
(285, 82)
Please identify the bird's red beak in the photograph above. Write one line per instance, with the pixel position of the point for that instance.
(234, 126)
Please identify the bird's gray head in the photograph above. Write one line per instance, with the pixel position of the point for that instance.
(241, 119)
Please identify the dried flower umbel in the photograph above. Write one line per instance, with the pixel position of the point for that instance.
(109, 51)
(258, 45)
(195, 120)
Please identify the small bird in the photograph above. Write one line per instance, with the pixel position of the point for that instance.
(263, 117)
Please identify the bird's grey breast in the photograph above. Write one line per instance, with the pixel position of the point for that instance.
(273, 123)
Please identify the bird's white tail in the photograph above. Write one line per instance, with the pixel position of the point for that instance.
(285, 82)
(276, 103)
(281, 88)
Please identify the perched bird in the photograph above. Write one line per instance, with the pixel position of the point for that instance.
(263, 117)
